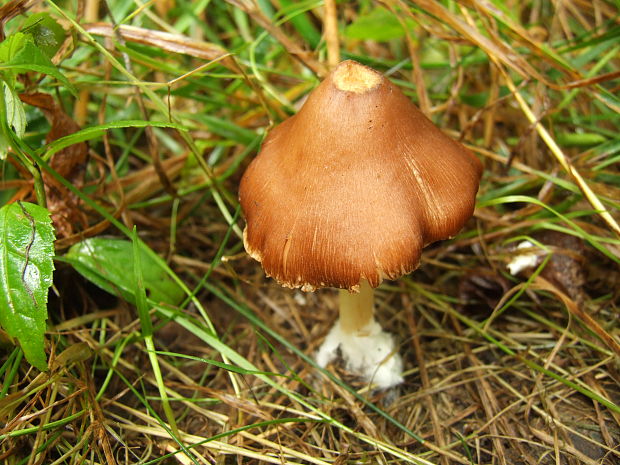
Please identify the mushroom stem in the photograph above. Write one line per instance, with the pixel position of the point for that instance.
(356, 309)
(367, 350)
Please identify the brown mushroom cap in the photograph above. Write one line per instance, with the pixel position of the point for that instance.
(354, 185)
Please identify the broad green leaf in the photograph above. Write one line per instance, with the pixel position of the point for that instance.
(12, 115)
(47, 33)
(28, 57)
(12, 45)
(139, 287)
(14, 108)
(26, 270)
(379, 25)
(109, 264)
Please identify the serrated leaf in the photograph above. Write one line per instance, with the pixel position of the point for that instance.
(47, 33)
(379, 24)
(28, 57)
(26, 272)
(12, 45)
(109, 264)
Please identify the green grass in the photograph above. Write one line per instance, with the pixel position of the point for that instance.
(498, 368)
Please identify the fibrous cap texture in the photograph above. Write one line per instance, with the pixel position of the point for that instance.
(353, 186)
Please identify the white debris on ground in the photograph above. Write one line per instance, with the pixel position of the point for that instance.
(370, 354)
(523, 261)
(300, 298)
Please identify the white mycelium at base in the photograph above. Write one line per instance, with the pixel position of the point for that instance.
(369, 353)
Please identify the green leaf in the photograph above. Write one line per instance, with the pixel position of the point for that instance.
(139, 287)
(227, 129)
(12, 45)
(47, 33)
(295, 10)
(109, 264)
(94, 132)
(26, 270)
(15, 114)
(380, 25)
(4, 145)
(24, 55)
(12, 115)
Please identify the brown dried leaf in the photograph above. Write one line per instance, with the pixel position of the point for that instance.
(69, 162)
(175, 43)
(12, 9)
(565, 269)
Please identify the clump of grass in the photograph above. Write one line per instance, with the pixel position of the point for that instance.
(174, 98)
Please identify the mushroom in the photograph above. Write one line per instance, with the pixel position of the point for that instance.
(346, 193)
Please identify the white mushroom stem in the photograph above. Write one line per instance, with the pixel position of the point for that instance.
(367, 350)
(356, 309)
